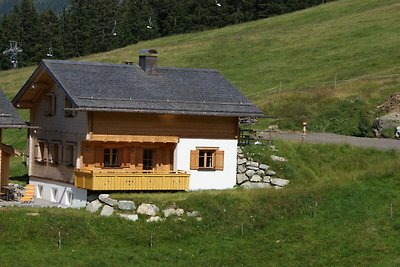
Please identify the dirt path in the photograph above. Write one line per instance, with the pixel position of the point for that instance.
(329, 138)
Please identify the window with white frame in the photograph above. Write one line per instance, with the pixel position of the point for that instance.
(39, 191)
(54, 195)
(69, 198)
(207, 158)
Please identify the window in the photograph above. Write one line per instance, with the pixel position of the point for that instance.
(69, 155)
(147, 159)
(69, 198)
(111, 158)
(41, 151)
(54, 195)
(207, 159)
(55, 153)
(49, 103)
(67, 106)
(39, 192)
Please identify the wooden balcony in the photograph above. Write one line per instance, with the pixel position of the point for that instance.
(114, 180)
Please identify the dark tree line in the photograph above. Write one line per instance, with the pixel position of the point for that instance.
(91, 26)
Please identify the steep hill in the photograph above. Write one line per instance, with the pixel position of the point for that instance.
(300, 55)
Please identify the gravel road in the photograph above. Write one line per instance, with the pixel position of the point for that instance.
(329, 138)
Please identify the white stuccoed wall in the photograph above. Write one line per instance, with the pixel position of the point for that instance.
(208, 179)
(79, 195)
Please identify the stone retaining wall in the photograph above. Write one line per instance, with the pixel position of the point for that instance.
(252, 174)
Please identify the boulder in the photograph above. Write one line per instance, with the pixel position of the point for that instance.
(148, 209)
(241, 178)
(253, 168)
(105, 198)
(94, 206)
(241, 169)
(261, 173)
(130, 217)
(279, 182)
(256, 178)
(194, 213)
(173, 212)
(264, 167)
(241, 161)
(270, 173)
(250, 185)
(277, 158)
(250, 173)
(126, 205)
(254, 164)
(154, 219)
(267, 179)
(107, 211)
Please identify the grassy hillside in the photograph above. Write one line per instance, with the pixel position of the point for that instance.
(298, 54)
(335, 212)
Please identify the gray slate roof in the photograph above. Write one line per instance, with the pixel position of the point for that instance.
(117, 87)
(9, 117)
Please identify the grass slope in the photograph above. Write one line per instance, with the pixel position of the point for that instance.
(299, 52)
(335, 212)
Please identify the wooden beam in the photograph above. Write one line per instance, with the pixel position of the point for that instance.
(134, 138)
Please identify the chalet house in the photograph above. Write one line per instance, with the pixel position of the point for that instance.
(8, 119)
(108, 127)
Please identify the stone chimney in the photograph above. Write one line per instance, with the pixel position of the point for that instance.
(148, 60)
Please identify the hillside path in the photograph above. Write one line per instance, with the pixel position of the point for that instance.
(329, 138)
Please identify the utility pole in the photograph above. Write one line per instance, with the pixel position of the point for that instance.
(12, 52)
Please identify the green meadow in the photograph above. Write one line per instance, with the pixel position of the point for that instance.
(329, 65)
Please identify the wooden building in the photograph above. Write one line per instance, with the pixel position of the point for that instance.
(126, 127)
(8, 119)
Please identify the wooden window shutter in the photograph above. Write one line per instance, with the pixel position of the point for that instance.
(194, 159)
(219, 160)
(126, 157)
(98, 157)
(60, 153)
(37, 152)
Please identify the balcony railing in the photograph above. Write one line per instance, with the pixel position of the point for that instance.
(114, 180)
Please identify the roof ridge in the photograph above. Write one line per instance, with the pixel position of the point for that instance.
(92, 63)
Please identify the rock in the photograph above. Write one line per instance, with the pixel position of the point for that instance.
(250, 185)
(279, 182)
(154, 219)
(148, 209)
(241, 155)
(130, 217)
(105, 198)
(241, 169)
(264, 167)
(267, 179)
(173, 212)
(239, 150)
(250, 173)
(199, 219)
(126, 205)
(256, 178)
(107, 211)
(277, 158)
(261, 173)
(241, 161)
(94, 206)
(241, 178)
(270, 173)
(33, 214)
(254, 164)
(194, 213)
(253, 168)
